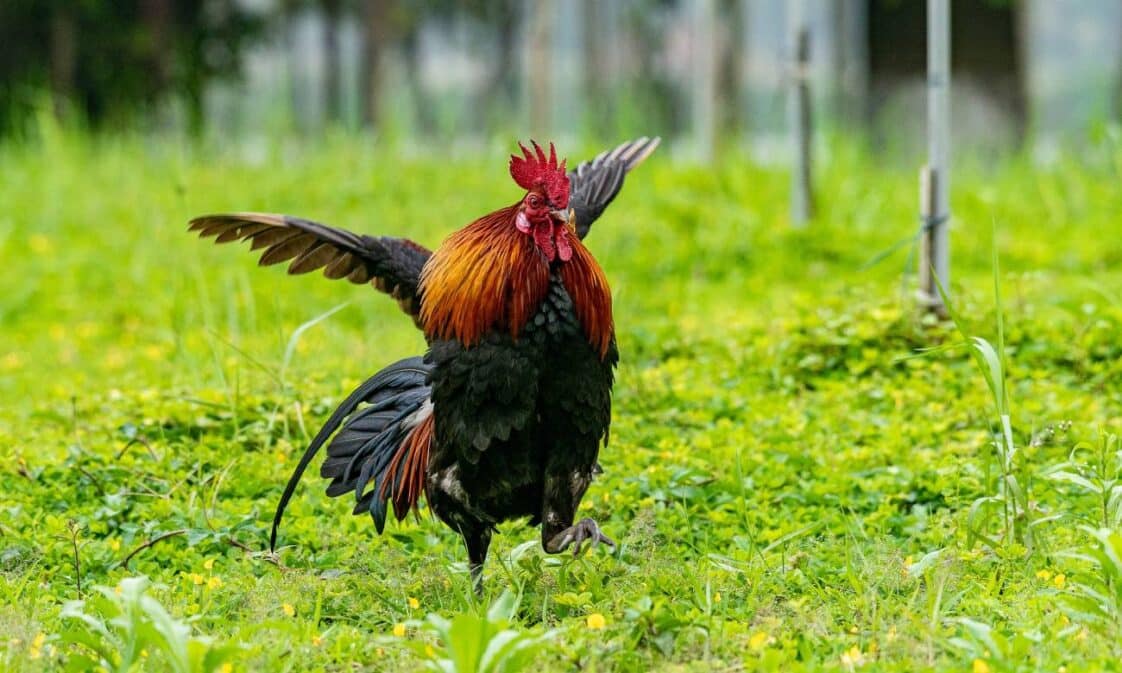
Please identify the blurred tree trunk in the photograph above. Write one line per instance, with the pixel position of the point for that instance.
(375, 32)
(288, 40)
(598, 100)
(422, 106)
(156, 16)
(498, 95)
(332, 95)
(63, 57)
(1118, 92)
(703, 52)
(1117, 75)
(538, 77)
(849, 88)
(728, 39)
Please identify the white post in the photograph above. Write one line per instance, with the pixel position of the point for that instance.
(799, 115)
(935, 177)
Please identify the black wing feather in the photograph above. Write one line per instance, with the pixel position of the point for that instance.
(593, 184)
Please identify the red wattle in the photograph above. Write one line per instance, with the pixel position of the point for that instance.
(561, 239)
(544, 238)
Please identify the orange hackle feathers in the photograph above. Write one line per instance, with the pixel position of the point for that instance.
(414, 450)
(592, 298)
(486, 275)
(534, 171)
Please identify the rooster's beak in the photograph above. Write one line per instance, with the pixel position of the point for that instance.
(562, 216)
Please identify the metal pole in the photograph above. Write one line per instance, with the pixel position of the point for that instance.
(799, 118)
(935, 178)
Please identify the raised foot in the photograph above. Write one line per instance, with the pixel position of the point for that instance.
(576, 535)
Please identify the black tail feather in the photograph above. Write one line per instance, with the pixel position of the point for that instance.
(374, 432)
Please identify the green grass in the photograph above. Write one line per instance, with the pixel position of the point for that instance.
(791, 490)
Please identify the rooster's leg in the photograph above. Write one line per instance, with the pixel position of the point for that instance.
(563, 492)
(477, 541)
(448, 499)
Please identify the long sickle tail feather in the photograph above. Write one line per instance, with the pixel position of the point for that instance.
(370, 440)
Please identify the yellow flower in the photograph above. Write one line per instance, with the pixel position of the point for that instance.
(39, 244)
(208, 564)
(980, 666)
(379, 651)
(1044, 575)
(758, 641)
(281, 457)
(317, 640)
(227, 668)
(909, 560)
(115, 544)
(1082, 635)
(399, 630)
(1061, 669)
(288, 609)
(214, 583)
(1059, 580)
(429, 652)
(118, 589)
(717, 597)
(196, 578)
(12, 360)
(853, 629)
(36, 649)
(891, 633)
(596, 621)
(852, 657)
(414, 603)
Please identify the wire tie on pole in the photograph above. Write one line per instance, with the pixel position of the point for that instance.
(929, 222)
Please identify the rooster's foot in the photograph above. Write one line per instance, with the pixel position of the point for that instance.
(576, 535)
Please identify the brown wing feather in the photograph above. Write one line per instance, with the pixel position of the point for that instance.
(393, 265)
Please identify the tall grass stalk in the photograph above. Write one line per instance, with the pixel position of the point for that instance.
(991, 363)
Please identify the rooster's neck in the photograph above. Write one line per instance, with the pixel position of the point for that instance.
(490, 276)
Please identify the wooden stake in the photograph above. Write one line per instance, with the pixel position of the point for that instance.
(800, 122)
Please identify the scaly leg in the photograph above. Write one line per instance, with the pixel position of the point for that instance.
(477, 541)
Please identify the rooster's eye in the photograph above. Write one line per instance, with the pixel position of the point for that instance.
(535, 201)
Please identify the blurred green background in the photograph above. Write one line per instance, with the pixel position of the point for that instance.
(708, 74)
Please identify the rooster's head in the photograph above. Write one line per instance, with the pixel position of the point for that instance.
(543, 213)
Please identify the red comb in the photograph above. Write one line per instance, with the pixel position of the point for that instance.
(534, 171)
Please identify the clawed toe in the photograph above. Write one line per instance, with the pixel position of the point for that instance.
(585, 530)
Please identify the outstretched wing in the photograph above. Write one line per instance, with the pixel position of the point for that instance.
(594, 184)
(392, 265)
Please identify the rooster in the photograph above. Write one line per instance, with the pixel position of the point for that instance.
(504, 415)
